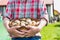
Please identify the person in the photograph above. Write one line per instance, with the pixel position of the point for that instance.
(25, 9)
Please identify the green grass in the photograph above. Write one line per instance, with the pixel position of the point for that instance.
(50, 32)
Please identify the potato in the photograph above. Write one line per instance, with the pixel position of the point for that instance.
(23, 22)
(29, 21)
(14, 23)
(17, 21)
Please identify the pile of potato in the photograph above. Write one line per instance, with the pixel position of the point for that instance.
(23, 22)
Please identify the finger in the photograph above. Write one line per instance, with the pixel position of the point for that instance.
(16, 27)
(13, 30)
(20, 36)
(16, 33)
(31, 35)
(28, 31)
(28, 27)
(28, 35)
(19, 32)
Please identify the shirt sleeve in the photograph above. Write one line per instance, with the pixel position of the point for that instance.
(43, 10)
(8, 12)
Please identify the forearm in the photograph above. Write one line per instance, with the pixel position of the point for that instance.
(43, 22)
(6, 22)
(41, 25)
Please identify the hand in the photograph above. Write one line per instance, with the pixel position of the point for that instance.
(12, 30)
(15, 32)
(31, 32)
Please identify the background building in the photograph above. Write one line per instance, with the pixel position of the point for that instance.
(3, 4)
(50, 8)
(49, 4)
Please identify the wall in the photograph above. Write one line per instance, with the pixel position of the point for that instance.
(3, 2)
(48, 1)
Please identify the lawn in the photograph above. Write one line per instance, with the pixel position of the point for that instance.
(49, 32)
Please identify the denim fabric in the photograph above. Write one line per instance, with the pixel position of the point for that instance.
(28, 38)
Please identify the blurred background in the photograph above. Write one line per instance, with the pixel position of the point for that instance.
(49, 32)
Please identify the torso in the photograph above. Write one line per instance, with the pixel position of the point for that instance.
(25, 9)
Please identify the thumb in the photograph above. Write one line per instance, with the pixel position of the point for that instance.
(16, 27)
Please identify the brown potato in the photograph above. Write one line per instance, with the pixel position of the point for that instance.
(23, 22)
(14, 23)
(17, 21)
